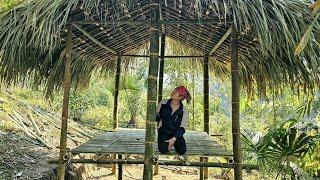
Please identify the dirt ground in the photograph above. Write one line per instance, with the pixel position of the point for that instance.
(20, 158)
(135, 172)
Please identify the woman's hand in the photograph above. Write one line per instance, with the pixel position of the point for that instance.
(171, 142)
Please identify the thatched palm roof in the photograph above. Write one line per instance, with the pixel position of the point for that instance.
(33, 38)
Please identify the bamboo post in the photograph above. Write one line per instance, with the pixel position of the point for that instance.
(152, 92)
(206, 93)
(235, 105)
(160, 87)
(193, 87)
(204, 171)
(116, 93)
(120, 168)
(65, 105)
(161, 69)
(115, 104)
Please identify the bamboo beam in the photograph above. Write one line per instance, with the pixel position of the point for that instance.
(115, 104)
(204, 171)
(165, 22)
(223, 38)
(160, 162)
(170, 56)
(65, 105)
(94, 39)
(235, 104)
(152, 92)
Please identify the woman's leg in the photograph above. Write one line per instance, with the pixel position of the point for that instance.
(180, 146)
(162, 145)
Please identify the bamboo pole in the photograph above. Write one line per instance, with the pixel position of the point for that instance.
(120, 168)
(193, 88)
(206, 94)
(65, 105)
(223, 38)
(161, 68)
(204, 171)
(160, 87)
(160, 162)
(152, 92)
(94, 39)
(235, 104)
(115, 104)
(140, 22)
(116, 93)
(167, 56)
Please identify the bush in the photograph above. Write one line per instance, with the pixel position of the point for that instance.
(101, 117)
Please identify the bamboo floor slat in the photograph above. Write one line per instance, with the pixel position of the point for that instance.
(131, 141)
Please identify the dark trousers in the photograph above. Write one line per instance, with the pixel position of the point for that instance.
(179, 145)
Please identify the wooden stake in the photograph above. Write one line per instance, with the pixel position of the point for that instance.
(235, 104)
(65, 105)
(152, 92)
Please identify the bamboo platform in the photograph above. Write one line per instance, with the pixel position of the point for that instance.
(131, 141)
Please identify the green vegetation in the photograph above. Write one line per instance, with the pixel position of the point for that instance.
(263, 121)
(280, 127)
(7, 4)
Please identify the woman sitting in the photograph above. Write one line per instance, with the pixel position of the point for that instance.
(172, 120)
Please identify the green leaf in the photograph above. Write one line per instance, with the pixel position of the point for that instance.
(306, 37)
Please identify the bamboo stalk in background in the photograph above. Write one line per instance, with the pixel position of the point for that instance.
(152, 92)
(65, 105)
(115, 105)
(235, 105)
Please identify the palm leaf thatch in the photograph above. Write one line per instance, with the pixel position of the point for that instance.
(33, 39)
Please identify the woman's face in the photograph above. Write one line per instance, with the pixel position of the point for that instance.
(175, 95)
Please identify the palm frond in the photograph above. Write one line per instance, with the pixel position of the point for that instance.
(32, 39)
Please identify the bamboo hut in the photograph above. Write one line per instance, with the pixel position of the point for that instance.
(62, 43)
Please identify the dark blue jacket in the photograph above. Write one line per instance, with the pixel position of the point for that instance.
(175, 123)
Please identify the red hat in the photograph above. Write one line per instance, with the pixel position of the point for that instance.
(183, 91)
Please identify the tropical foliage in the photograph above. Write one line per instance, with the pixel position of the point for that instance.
(312, 33)
(283, 148)
(32, 42)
